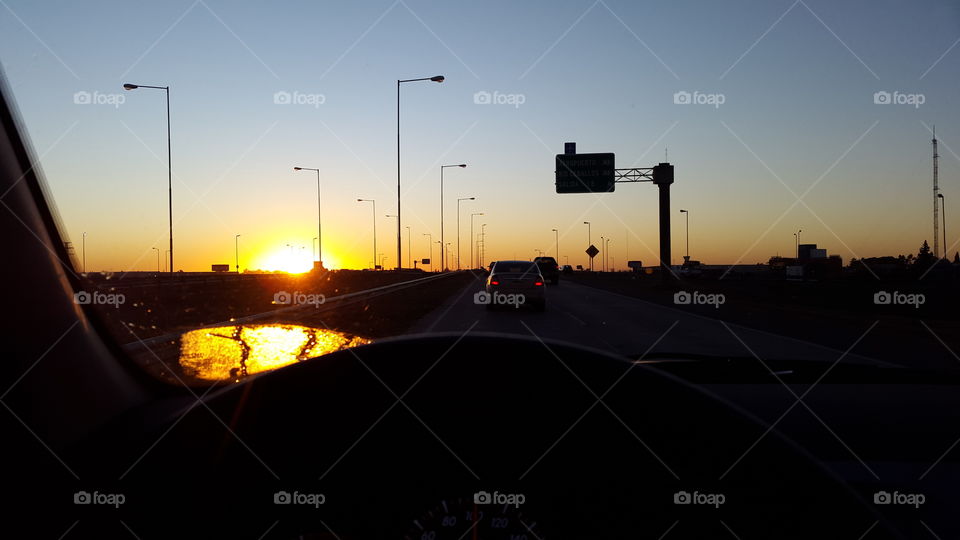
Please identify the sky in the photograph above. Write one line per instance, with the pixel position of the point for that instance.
(778, 116)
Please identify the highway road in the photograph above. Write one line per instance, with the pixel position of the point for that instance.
(623, 325)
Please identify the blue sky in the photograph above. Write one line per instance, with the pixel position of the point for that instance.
(797, 81)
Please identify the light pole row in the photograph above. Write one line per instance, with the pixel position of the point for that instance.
(319, 238)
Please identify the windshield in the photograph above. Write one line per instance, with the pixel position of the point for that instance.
(239, 197)
(515, 267)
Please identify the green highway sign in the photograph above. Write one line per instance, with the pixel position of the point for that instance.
(585, 173)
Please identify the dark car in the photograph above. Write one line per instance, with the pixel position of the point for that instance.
(549, 268)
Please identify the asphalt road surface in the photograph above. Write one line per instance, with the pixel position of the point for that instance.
(624, 325)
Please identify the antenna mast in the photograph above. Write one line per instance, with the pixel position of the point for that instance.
(936, 191)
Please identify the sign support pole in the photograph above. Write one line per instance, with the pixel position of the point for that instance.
(665, 256)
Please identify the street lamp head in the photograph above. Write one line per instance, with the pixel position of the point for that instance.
(437, 78)
(586, 222)
(462, 165)
(684, 211)
(128, 86)
(298, 168)
(472, 198)
(940, 195)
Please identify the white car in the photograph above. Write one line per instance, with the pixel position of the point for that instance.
(515, 284)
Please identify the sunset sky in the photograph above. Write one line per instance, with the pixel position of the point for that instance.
(797, 82)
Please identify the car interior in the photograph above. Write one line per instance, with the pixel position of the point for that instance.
(435, 434)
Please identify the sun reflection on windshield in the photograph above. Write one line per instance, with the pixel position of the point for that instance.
(232, 352)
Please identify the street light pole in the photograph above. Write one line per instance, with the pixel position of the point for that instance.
(589, 243)
(483, 244)
(158, 258)
(797, 234)
(471, 237)
(398, 238)
(374, 229)
(442, 167)
(83, 251)
(687, 257)
(236, 251)
(458, 226)
(319, 254)
(409, 251)
(943, 214)
(438, 79)
(603, 248)
(606, 254)
(556, 242)
(129, 86)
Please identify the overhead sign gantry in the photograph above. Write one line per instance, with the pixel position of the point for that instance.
(597, 173)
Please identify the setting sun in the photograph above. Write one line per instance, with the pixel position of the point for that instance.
(286, 260)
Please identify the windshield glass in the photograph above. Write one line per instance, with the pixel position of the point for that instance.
(239, 197)
(515, 267)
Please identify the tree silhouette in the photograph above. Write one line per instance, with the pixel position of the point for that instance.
(924, 258)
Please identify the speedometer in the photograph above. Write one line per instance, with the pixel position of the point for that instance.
(463, 519)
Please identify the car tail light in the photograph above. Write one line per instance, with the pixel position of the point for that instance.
(494, 282)
(539, 283)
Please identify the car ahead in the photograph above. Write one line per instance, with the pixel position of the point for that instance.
(549, 268)
(566, 269)
(515, 284)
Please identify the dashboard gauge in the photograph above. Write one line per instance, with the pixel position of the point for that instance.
(463, 519)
